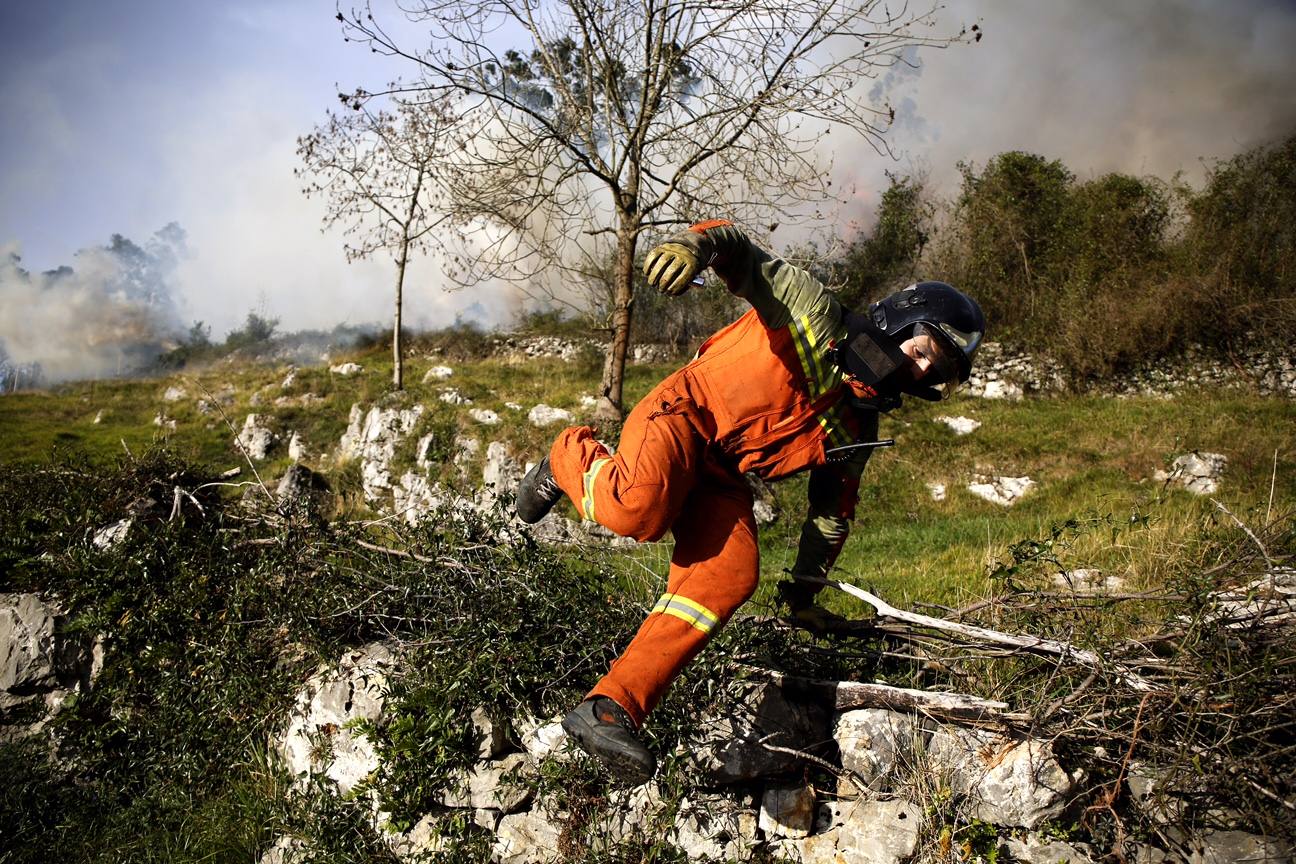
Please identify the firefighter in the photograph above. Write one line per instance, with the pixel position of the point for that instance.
(795, 384)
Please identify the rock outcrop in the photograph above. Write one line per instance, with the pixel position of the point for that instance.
(255, 439)
(42, 661)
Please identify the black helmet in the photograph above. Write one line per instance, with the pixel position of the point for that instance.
(954, 318)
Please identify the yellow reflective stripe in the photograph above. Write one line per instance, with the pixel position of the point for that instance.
(587, 499)
(689, 611)
(803, 352)
(823, 376)
(832, 423)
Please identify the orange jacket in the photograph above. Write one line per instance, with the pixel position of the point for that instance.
(769, 393)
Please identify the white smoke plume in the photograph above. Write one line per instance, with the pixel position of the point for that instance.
(110, 314)
(1149, 88)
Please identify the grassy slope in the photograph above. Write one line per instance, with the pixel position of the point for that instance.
(1092, 458)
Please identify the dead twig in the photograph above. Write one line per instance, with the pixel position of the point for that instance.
(1034, 644)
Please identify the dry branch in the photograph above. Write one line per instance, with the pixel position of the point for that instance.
(1032, 644)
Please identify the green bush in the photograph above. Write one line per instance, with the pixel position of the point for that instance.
(878, 263)
(1241, 240)
(1104, 274)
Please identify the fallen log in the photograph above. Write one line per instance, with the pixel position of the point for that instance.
(847, 695)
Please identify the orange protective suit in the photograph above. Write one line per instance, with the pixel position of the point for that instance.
(760, 396)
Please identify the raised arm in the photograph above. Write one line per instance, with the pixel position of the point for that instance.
(778, 291)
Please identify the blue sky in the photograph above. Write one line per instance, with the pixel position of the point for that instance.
(124, 116)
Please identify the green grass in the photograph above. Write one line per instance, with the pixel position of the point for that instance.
(1091, 457)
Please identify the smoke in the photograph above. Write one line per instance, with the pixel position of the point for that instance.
(1150, 88)
(110, 314)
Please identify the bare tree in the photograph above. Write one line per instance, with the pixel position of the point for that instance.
(380, 171)
(624, 116)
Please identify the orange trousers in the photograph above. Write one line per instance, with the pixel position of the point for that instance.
(662, 478)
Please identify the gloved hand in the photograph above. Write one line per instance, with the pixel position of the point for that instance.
(672, 266)
(796, 595)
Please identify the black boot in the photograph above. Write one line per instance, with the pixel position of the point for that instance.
(537, 493)
(603, 729)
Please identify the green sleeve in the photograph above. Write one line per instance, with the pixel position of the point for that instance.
(833, 494)
(779, 292)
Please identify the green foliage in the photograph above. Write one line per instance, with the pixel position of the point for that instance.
(1242, 236)
(256, 330)
(877, 264)
(1009, 218)
(462, 341)
(1105, 273)
(684, 321)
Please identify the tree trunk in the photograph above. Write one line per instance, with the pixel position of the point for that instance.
(398, 369)
(610, 407)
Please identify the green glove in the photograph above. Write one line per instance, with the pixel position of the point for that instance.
(672, 266)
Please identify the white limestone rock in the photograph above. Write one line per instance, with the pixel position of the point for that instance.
(437, 373)
(936, 490)
(297, 447)
(346, 369)
(1088, 581)
(960, 425)
(1004, 491)
(527, 838)
(112, 536)
(1199, 473)
(421, 452)
(484, 416)
(544, 415)
(1033, 849)
(714, 828)
(862, 832)
(174, 394)
(254, 439)
(452, 396)
(787, 811)
(285, 850)
(373, 437)
(318, 740)
(501, 473)
(874, 742)
(764, 512)
(543, 740)
(513, 406)
(491, 785)
(1008, 782)
(639, 813)
(492, 736)
(1233, 847)
(465, 452)
(1001, 389)
(27, 643)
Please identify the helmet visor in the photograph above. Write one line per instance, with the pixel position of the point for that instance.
(941, 358)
